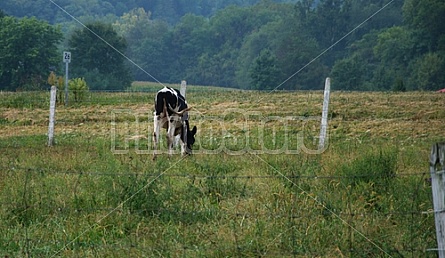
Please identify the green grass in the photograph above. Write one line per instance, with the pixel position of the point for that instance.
(362, 197)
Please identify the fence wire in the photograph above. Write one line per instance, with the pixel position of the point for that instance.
(410, 249)
(31, 195)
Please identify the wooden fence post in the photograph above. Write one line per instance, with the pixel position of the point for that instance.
(437, 171)
(52, 114)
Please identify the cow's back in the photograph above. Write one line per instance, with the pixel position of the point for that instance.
(172, 97)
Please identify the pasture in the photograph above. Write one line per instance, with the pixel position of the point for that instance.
(257, 184)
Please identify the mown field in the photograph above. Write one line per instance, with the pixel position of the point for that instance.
(258, 185)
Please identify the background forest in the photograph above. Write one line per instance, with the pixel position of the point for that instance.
(264, 45)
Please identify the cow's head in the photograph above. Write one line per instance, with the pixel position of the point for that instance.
(190, 137)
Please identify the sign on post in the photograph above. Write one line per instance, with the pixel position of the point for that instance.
(67, 57)
(66, 60)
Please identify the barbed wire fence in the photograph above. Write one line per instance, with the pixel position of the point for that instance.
(417, 211)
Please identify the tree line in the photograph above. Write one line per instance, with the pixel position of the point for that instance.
(169, 11)
(362, 45)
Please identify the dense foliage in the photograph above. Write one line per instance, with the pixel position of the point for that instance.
(28, 48)
(362, 45)
(99, 60)
(167, 10)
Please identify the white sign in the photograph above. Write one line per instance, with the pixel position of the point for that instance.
(67, 57)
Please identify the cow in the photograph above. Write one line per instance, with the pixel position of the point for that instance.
(171, 113)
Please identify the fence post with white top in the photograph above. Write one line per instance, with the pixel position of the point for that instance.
(324, 116)
(52, 114)
(437, 171)
(183, 88)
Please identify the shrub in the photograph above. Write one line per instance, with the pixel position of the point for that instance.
(52, 78)
(59, 82)
(60, 89)
(78, 87)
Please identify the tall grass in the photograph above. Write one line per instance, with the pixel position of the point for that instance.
(362, 197)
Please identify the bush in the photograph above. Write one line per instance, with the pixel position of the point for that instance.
(59, 82)
(78, 87)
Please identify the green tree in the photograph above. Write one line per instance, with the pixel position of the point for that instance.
(349, 74)
(97, 52)
(189, 39)
(28, 47)
(425, 19)
(37, 8)
(271, 29)
(265, 73)
(329, 21)
(393, 49)
(428, 72)
(356, 71)
(427, 35)
(154, 54)
(237, 36)
(252, 47)
(146, 43)
(227, 30)
(134, 25)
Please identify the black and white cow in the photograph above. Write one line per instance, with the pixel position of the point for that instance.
(171, 113)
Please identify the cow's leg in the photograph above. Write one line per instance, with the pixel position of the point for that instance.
(171, 135)
(156, 133)
(184, 140)
(183, 148)
(177, 139)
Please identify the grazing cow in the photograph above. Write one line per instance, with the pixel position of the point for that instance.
(171, 114)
